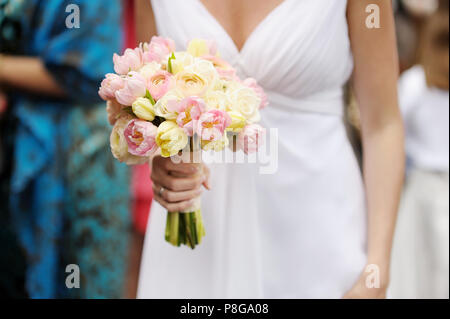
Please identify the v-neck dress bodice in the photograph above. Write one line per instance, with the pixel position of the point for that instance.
(298, 230)
(293, 52)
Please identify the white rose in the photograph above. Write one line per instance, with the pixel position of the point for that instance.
(227, 86)
(189, 83)
(167, 106)
(245, 101)
(206, 70)
(217, 100)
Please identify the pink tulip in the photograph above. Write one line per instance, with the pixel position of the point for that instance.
(157, 49)
(135, 86)
(212, 124)
(251, 83)
(251, 138)
(159, 83)
(131, 60)
(140, 136)
(189, 112)
(110, 85)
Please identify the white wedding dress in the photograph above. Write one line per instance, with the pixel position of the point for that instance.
(297, 233)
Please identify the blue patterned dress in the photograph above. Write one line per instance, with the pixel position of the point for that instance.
(68, 196)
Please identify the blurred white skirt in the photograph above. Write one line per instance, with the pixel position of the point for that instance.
(420, 260)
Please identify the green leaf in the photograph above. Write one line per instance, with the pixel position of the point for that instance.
(174, 228)
(169, 63)
(193, 224)
(182, 231)
(150, 97)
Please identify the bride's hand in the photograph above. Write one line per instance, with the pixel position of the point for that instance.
(176, 186)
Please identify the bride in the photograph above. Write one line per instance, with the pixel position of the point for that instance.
(317, 227)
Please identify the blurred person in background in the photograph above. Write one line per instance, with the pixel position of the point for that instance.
(58, 176)
(420, 265)
(409, 18)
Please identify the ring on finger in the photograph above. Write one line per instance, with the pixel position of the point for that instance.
(161, 191)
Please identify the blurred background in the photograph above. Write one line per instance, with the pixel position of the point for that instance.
(64, 200)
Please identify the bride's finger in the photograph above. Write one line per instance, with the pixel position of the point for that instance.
(178, 184)
(174, 197)
(206, 181)
(181, 168)
(173, 207)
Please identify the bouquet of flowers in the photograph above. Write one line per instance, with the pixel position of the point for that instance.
(170, 102)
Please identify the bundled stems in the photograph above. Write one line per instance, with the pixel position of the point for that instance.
(185, 228)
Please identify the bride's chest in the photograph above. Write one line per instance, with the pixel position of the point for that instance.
(239, 18)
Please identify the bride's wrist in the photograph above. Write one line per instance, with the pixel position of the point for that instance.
(378, 268)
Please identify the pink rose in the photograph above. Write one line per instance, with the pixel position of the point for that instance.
(159, 83)
(131, 60)
(157, 49)
(212, 124)
(190, 110)
(110, 85)
(251, 83)
(135, 86)
(140, 136)
(251, 138)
